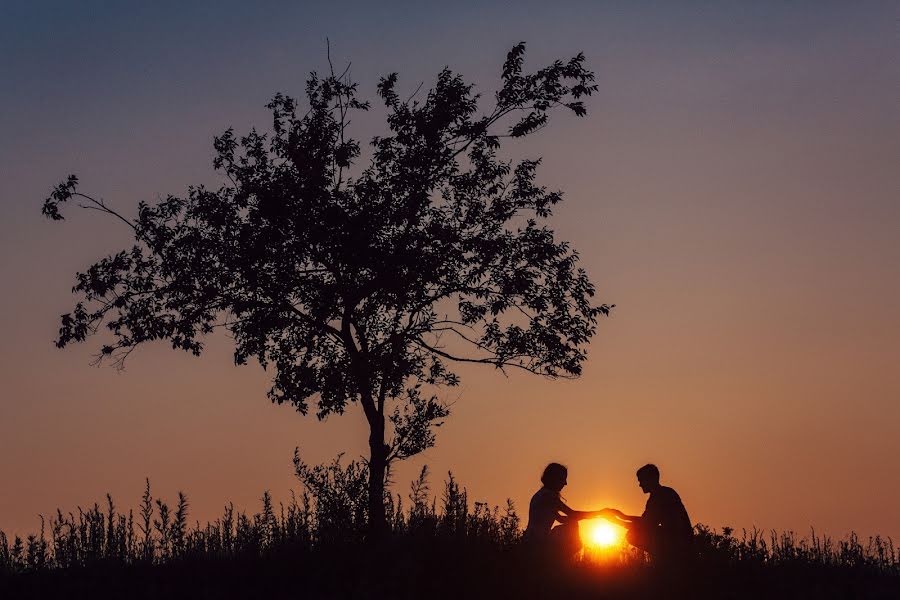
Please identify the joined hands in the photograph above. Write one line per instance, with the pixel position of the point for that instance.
(610, 513)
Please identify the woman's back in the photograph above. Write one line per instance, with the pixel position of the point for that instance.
(542, 512)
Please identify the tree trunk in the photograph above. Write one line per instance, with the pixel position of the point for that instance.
(377, 465)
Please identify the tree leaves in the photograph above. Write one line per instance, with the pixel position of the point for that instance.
(61, 193)
(365, 288)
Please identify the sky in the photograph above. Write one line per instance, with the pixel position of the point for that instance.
(734, 191)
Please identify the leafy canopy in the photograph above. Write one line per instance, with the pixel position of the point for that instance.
(360, 288)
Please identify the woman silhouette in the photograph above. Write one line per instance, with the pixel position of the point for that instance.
(547, 507)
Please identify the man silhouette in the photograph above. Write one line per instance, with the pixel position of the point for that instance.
(664, 530)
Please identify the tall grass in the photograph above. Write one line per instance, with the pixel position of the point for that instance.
(331, 513)
(331, 510)
(876, 554)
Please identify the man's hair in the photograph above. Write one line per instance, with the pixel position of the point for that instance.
(553, 471)
(649, 471)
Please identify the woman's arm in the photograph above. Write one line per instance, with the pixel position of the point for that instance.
(577, 515)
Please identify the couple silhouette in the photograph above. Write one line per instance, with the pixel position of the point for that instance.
(663, 530)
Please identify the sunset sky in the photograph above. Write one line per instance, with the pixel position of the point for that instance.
(734, 190)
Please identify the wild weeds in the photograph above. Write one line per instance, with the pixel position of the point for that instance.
(755, 548)
(332, 511)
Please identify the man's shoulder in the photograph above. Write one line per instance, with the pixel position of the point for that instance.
(667, 494)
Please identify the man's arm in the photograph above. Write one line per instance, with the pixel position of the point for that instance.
(619, 517)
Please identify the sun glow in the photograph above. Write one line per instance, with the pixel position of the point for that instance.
(602, 534)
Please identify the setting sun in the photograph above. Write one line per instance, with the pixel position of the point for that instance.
(602, 534)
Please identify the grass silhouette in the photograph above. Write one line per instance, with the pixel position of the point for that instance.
(441, 547)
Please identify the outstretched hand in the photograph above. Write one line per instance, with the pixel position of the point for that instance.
(611, 513)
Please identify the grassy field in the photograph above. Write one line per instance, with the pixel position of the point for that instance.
(440, 547)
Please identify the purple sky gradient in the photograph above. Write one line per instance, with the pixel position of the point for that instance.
(734, 189)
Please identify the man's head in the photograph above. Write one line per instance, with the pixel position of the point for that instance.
(648, 478)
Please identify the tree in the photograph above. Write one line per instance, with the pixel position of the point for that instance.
(360, 289)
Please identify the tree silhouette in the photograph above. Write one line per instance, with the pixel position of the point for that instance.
(360, 289)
